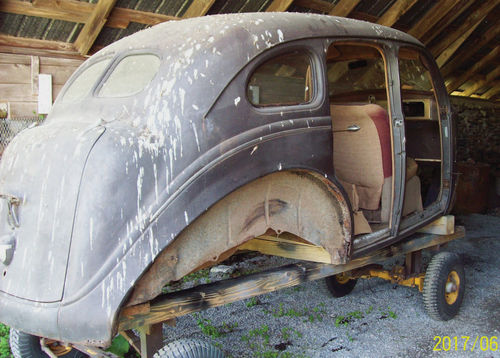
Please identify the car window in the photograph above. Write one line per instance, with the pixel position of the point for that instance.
(282, 81)
(82, 85)
(131, 75)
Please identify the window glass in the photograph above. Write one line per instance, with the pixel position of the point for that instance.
(414, 75)
(130, 76)
(354, 69)
(82, 85)
(282, 81)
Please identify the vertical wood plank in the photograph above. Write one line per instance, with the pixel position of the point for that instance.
(35, 71)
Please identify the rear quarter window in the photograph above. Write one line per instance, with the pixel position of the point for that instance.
(284, 80)
(82, 85)
(131, 75)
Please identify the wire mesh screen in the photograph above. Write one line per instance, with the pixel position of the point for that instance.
(9, 127)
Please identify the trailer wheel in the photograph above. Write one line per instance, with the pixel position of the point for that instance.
(444, 286)
(340, 285)
(189, 348)
(24, 345)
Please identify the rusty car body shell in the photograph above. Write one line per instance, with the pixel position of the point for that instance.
(107, 185)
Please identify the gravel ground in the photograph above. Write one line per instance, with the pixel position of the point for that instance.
(383, 320)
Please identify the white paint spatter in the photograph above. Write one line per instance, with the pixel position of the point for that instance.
(91, 233)
(280, 35)
(186, 217)
(280, 166)
(254, 149)
(237, 100)
(196, 137)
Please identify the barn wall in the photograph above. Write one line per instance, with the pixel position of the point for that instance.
(19, 80)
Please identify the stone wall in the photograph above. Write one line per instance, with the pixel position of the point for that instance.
(478, 127)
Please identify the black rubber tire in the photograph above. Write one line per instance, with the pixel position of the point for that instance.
(189, 348)
(25, 345)
(441, 265)
(338, 289)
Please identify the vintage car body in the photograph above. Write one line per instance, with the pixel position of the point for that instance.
(185, 170)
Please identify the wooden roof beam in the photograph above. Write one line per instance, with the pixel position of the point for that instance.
(318, 5)
(465, 53)
(457, 82)
(79, 11)
(483, 82)
(344, 7)
(432, 17)
(445, 21)
(494, 90)
(198, 8)
(472, 21)
(35, 47)
(279, 5)
(94, 25)
(398, 9)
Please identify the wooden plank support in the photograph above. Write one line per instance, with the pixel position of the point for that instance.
(431, 17)
(494, 90)
(471, 22)
(171, 305)
(459, 80)
(35, 47)
(270, 245)
(80, 11)
(279, 5)
(445, 225)
(94, 25)
(35, 71)
(398, 9)
(198, 8)
(151, 339)
(482, 82)
(344, 7)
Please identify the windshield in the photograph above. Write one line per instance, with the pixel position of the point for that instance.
(82, 85)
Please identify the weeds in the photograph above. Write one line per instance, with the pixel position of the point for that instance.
(252, 302)
(197, 276)
(4, 342)
(208, 329)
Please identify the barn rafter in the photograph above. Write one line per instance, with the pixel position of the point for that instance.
(463, 35)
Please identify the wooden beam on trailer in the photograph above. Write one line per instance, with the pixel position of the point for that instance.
(398, 9)
(318, 5)
(198, 8)
(445, 21)
(94, 25)
(344, 7)
(494, 90)
(279, 5)
(431, 17)
(472, 21)
(80, 11)
(175, 304)
(35, 47)
(457, 82)
(465, 53)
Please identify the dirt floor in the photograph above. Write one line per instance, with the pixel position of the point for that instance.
(378, 319)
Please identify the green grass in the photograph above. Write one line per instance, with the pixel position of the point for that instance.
(4, 342)
(208, 329)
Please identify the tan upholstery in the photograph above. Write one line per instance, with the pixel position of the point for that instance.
(357, 155)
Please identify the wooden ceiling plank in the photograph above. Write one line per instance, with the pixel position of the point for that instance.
(318, 5)
(445, 21)
(495, 89)
(198, 8)
(279, 5)
(472, 20)
(431, 17)
(447, 53)
(464, 54)
(35, 47)
(398, 9)
(483, 82)
(344, 7)
(457, 82)
(79, 11)
(94, 25)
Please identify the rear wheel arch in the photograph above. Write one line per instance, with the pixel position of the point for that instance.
(301, 202)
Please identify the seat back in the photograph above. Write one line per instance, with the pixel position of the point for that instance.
(362, 158)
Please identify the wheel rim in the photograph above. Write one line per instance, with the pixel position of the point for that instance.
(342, 279)
(57, 348)
(452, 288)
